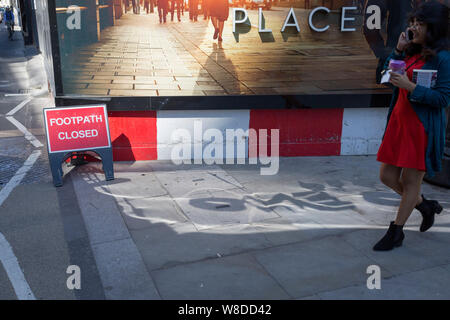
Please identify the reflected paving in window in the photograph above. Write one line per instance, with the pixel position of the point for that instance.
(124, 48)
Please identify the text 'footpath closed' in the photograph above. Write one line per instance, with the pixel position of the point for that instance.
(76, 120)
(77, 128)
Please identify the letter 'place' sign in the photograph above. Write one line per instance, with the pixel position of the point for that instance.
(77, 128)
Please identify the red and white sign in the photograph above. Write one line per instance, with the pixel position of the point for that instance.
(77, 128)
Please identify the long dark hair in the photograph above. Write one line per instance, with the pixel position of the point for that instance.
(435, 16)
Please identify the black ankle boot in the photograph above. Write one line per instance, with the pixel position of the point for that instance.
(393, 238)
(428, 208)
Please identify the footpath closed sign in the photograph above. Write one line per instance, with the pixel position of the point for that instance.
(77, 128)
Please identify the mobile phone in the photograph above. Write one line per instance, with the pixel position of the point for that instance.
(409, 35)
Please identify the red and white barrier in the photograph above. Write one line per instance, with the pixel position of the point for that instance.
(148, 135)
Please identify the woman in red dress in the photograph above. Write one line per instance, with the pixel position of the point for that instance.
(403, 152)
(218, 10)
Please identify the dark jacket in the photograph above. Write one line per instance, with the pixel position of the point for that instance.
(429, 105)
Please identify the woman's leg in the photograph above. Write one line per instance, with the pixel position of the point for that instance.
(221, 24)
(391, 177)
(411, 180)
(214, 22)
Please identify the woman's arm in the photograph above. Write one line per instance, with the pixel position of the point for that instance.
(439, 95)
(393, 56)
(398, 53)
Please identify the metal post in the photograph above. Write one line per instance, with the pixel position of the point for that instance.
(98, 19)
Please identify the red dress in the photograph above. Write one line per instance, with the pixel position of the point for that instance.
(405, 140)
(219, 9)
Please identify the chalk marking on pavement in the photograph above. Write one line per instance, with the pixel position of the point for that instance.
(7, 257)
(30, 137)
(18, 107)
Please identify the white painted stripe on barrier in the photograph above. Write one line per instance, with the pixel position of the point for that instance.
(7, 257)
(169, 121)
(362, 130)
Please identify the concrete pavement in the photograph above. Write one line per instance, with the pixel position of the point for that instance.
(225, 232)
(160, 231)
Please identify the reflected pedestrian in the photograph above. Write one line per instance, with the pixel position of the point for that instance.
(183, 6)
(219, 11)
(126, 4)
(148, 6)
(163, 6)
(193, 10)
(413, 143)
(136, 7)
(177, 4)
(9, 21)
(152, 6)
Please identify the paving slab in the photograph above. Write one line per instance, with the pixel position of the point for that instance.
(210, 209)
(143, 213)
(282, 231)
(417, 252)
(322, 265)
(165, 246)
(99, 207)
(231, 278)
(428, 284)
(123, 273)
(343, 218)
(142, 184)
(182, 182)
